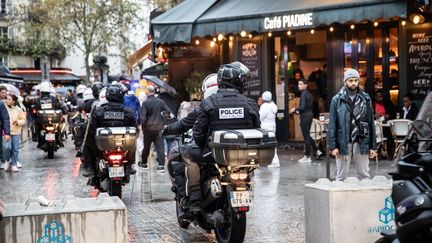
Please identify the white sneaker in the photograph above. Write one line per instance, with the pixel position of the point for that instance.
(1, 166)
(318, 154)
(6, 165)
(305, 159)
(15, 169)
(19, 165)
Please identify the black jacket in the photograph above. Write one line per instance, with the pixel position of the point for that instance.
(4, 119)
(338, 135)
(183, 125)
(227, 109)
(110, 114)
(151, 114)
(412, 113)
(306, 104)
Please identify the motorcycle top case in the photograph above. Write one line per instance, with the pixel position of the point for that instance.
(49, 116)
(239, 147)
(112, 138)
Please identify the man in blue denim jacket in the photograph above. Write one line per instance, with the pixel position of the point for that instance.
(351, 133)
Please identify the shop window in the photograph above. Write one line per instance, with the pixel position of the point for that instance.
(348, 50)
(279, 74)
(4, 60)
(393, 65)
(362, 44)
(2, 7)
(3, 34)
(378, 71)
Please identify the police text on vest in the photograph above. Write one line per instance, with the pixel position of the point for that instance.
(231, 113)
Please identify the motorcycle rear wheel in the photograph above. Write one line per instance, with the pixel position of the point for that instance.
(50, 150)
(115, 189)
(234, 227)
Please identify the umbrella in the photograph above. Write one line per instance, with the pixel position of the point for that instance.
(160, 83)
(11, 88)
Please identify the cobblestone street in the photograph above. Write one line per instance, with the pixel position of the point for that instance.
(277, 214)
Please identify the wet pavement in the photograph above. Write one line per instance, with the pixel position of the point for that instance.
(277, 214)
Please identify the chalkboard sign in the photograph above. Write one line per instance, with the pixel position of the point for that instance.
(250, 56)
(419, 62)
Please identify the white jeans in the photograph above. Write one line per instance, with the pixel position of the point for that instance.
(361, 163)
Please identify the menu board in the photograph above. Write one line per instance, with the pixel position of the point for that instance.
(419, 69)
(250, 56)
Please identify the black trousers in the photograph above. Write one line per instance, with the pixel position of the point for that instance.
(305, 125)
(153, 137)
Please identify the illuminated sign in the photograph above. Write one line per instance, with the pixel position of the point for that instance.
(288, 21)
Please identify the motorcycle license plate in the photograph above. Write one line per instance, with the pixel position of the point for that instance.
(116, 171)
(241, 199)
(46, 106)
(50, 136)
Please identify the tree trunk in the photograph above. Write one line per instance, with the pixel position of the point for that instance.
(87, 66)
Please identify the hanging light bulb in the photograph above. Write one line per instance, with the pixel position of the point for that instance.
(352, 26)
(289, 32)
(197, 42)
(220, 37)
(250, 35)
(403, 23)
(375, 23)
(243, 33)
(269, 34)
(212, 43)
(312, 31)
(331, 29)
(214, 39)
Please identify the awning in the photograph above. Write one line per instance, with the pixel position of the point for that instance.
(175, 25)
(11, 79)
(57, 78)
(234, 16)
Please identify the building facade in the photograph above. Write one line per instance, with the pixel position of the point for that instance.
(389, 42)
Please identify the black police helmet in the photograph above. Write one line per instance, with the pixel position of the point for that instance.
(96, 88)
(114, 94)
(233, 75)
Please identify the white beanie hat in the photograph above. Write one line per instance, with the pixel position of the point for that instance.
(351, 73)
(267, 96)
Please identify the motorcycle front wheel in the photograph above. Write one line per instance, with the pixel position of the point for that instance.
(234, 227)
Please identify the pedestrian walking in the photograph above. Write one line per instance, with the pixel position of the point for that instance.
(152, 125)
(17, 121)
(267, 112)
(305, 109)
(4, 125)
(351, 132)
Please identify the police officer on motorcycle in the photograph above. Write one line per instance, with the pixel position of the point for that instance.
(227, 109)
(88, 104)
(45, 102)
(111, 114)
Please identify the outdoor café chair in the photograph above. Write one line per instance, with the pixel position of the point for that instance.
(380, 140)
(399, 129)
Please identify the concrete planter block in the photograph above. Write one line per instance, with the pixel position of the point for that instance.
(351, 211)
(100, 219)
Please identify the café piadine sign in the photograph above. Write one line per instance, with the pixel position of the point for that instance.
(288, 21)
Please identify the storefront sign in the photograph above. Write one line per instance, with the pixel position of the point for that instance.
(419, 62)
(250, 56)
(288, 21)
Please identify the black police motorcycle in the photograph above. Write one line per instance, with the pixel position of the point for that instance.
(412, 184)
(52, 127)
(113, 169)
(226, 184)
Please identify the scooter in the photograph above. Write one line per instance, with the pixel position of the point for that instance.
(226, 189)
(117, 147)
(412, 188)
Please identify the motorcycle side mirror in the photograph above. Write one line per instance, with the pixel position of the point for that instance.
(422, 128)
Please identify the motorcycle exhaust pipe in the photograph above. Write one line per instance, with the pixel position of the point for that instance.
(214, 191)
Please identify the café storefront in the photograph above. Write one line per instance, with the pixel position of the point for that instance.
(278, 39)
